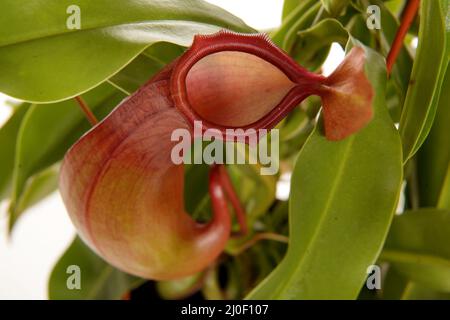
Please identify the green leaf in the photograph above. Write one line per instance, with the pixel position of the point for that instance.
(418, 247)
(164, 52)
(335, 7)
(147, 64)
(48, 131)
(8, 136)
(295, 20)
(433, 158)
(139, 71)
(66, 62)
(290, 5)
(357, 27)
(98, 279)
(415, 291)
(40, 186)
(304, 22)
(427, 75)
(398, 287)
(343, 196)
(313, 44)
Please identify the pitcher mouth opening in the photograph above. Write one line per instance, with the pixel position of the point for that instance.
(257, 45)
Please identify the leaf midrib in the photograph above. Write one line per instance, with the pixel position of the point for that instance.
(106, 26)
(325, 211)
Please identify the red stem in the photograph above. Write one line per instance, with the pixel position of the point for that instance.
(87, 111)
(227, 185)
(223, 180)
(408, 17)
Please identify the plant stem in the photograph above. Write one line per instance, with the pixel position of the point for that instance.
(318, 15)
(86, 110)
(407, 18)
(227, 185)
(258, 237)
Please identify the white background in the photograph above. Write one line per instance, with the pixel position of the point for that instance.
(45, 231)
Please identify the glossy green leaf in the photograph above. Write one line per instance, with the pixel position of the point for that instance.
(8, 137)
(427, 75)
(42, 60)
(418, 247)
(343, 196)
(98, 280)
(433, 158)
(48, 131)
